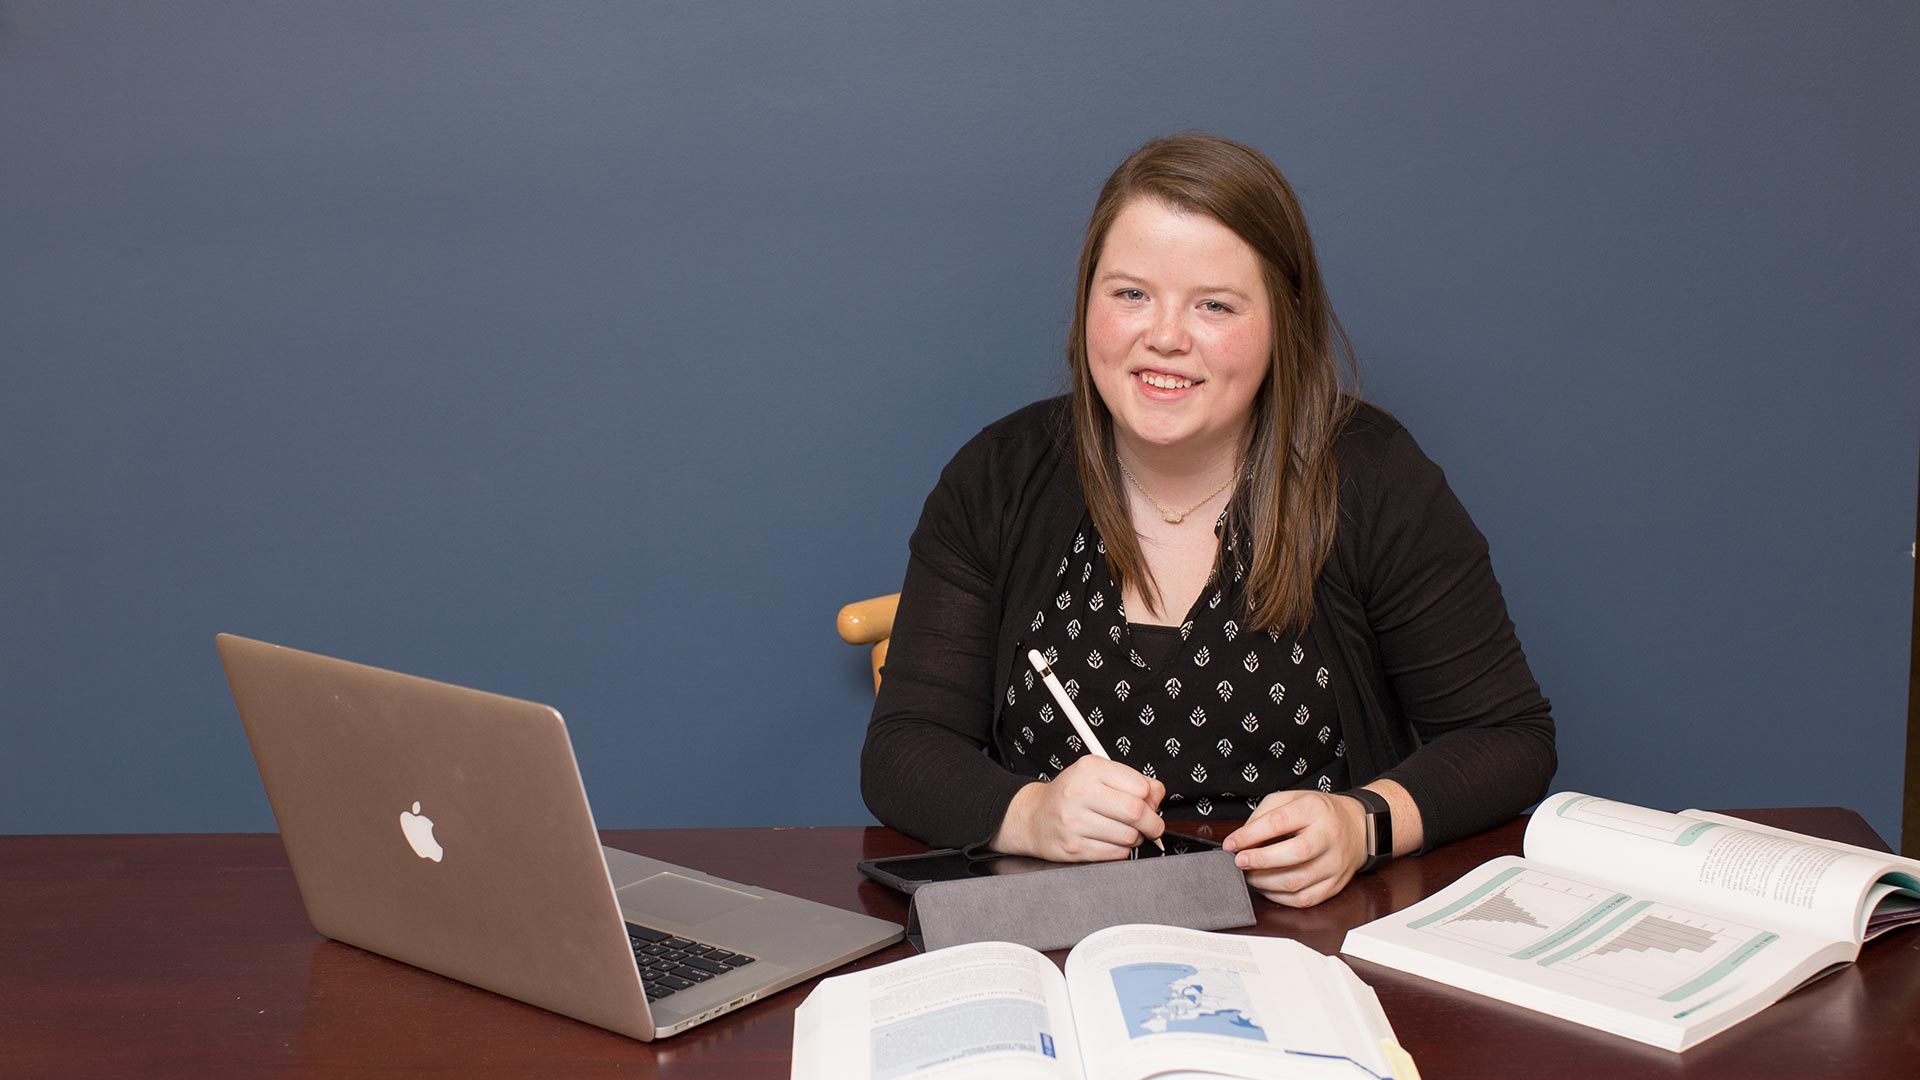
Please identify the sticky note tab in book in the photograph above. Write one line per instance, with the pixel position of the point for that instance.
(1399, 1060)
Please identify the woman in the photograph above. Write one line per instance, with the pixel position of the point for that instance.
(1258, 590)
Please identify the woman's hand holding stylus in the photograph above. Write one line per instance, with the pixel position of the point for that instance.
(1094, 811)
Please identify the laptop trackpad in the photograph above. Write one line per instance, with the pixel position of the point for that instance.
(682, 899)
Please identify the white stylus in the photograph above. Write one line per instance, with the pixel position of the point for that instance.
(1073, 714)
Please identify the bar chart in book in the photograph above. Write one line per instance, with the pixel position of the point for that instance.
(1657, 949)
(1523, 910)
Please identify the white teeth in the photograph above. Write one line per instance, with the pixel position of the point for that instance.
(1165, 382)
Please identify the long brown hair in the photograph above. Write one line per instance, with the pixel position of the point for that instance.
(1287, 501)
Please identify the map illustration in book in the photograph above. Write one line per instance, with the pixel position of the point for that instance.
(1159, 997)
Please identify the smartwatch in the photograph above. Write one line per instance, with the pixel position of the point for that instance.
(1379, 819)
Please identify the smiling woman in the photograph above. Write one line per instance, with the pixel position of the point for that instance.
(1255, 586)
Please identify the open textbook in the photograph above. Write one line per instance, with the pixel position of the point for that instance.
(1136, 1002)
(1665, 928)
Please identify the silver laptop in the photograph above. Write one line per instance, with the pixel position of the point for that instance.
(448, 828)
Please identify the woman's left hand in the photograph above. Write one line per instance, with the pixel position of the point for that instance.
(1300, 847)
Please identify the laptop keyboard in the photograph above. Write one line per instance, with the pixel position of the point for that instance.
(669, 964)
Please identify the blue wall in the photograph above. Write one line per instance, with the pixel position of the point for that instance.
(598, 354)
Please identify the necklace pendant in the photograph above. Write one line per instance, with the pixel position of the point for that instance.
(1172, 517)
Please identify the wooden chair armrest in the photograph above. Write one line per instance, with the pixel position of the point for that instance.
(867, 621)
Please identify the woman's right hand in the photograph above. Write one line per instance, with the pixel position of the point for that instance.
(1094, 811)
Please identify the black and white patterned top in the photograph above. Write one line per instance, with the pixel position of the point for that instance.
(1221, 715)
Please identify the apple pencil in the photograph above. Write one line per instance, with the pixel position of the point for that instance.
(1073, 714)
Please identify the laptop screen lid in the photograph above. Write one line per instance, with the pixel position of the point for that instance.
(448, 828)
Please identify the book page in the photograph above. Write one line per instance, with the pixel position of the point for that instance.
(1150, 1000)
(989, 1009)
(1719, 863)
(1888, 907)
(1890, 902)
(1644, 964)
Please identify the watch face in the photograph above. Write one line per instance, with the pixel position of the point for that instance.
(1378, 815)
(1381, 837)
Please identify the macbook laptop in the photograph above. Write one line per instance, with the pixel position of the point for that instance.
(448, 828)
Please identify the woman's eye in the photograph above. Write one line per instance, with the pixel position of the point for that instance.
(1215, 307)
(1130, 294)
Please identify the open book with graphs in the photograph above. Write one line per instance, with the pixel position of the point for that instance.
(1137, 1001)
(1665, 928)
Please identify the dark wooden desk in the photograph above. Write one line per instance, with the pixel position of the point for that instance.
(190, 956)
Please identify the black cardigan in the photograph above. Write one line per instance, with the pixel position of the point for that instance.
(1433, 689)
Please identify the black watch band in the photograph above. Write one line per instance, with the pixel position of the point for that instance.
(1379, 820)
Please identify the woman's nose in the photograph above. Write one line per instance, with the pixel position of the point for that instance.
(1167, 335)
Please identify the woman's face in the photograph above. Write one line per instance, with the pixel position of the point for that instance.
(1179, 331)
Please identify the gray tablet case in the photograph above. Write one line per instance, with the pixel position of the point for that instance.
(1054, 909)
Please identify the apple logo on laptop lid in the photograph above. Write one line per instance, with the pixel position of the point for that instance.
(418, 829)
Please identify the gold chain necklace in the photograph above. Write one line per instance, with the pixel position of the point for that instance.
(1167, 513)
